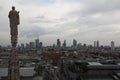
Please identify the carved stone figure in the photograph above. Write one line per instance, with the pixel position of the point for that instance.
(14, 22)
(13, 67)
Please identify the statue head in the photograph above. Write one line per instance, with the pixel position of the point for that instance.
(13, 7)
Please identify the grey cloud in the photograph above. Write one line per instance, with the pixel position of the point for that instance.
(24, 2)
(86, 26)
(4, 23)
(33, 32)
(92, 7)
(35, 2)
(42, 19)
(92, 21)
(100, 6)
(89, 28)
(1, 8)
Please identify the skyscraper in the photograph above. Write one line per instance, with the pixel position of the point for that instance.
(64, 44)
(27, 46)
(79, 46)
(53, 46)
(40, 44)
(97, 44)
(32, 45)
(74, 43)
(112, 45)
(37, 45)
(58, 43)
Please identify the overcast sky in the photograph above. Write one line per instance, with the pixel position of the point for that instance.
(83, 20)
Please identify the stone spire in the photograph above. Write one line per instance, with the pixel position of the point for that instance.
(13, 67)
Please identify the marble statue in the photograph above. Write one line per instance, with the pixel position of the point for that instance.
(14, 22)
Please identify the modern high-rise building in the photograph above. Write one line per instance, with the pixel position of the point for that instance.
(32, 44)
(112, 45)
(74, 43)
(97, 44)
(58, 43)
(79, 46)
(37, 45)
(27, 46)
(40, 44)
(53, 46)
(64, 44)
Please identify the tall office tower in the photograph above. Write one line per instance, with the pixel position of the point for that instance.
(112, 45)
(84, 45)
(79, 46)
(58, 43)
(32, 45)
(64, 44)
(74, 43)
(37, 43)
(97, 44)
(53, 46)
(27, 46)
(40, 44)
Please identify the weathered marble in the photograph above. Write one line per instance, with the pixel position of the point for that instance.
(13, 67)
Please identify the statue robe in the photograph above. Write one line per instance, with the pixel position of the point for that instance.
(14, 21)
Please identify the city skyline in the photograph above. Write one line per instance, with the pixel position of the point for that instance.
(86, 21)
(63, 44)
